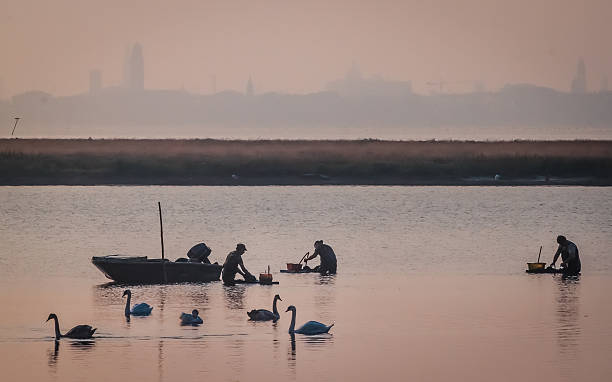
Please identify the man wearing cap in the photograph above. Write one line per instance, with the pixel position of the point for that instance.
(328, 258)
(233, 264)
(569, 256)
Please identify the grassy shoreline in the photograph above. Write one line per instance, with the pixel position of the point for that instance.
(302, 162)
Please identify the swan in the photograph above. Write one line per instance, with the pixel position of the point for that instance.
(311, 327)
(191, 319)
(79, 331)
(264, 314)
(142, 309)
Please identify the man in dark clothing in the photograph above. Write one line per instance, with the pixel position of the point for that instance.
(199, 253)
(233, 264)
(328, 258)
(569, 256)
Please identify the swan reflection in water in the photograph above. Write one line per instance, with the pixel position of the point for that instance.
(292, 351)
(78, 346)
(53, 355)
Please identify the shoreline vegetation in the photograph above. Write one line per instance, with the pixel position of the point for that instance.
(303, 162)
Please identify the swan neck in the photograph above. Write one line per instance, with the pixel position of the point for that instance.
(292, 326)
(274, 310)
(57, 331)
(127, 304)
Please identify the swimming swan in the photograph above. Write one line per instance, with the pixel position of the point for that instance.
(142, 309)
(79, 331)
(191, 319)
(309, 328)
(264, 314)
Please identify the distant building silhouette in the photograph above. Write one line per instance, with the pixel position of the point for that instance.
(137, 68)
(579, 83)
(133, 68)
(355, 85)
(604, 84)
(95, 81)
(249, 87)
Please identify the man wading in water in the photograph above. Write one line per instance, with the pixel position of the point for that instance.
(233, 264)
(328, 258)
(569, 255)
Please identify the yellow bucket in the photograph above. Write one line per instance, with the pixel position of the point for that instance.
(536, 266)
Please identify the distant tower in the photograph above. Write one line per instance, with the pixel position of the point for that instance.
(95, 81)
(249, 87)
(126, 68)
(136, 68)
(354, 73)
(579, 83)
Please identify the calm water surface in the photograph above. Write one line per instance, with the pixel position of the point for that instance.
(431, 284)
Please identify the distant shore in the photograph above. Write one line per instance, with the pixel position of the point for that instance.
(303, 162)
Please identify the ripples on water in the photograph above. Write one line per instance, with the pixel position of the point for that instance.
(431, 284)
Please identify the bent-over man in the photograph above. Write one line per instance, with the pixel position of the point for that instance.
(569, 256)
(329, 263)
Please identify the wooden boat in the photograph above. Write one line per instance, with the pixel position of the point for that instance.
(545, 270)
(303, 270)
(142, 270)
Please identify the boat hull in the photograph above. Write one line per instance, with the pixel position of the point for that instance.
(140, 270)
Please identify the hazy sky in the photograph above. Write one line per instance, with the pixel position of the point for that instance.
(298, 46)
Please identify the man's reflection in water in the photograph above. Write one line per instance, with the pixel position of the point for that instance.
(568, 330)
(326, 280)
(53, 354)
(324, 293)
(234, 296)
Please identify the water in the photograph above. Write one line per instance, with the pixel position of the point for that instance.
(431, 283)
(483, 133)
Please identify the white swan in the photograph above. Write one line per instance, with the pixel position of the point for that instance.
(309, 328)
(79, 331)
(191, 319)
(142, 309)
(264, 314)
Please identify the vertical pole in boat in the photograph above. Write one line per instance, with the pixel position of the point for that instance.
(161, 229)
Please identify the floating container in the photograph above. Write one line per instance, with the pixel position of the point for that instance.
(536, 266)
(265, 278)
(294, 267)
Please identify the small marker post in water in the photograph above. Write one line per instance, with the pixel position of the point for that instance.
(161, 230)
(15, 126)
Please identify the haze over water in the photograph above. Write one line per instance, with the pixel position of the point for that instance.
(431, 283)
(482, 133)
